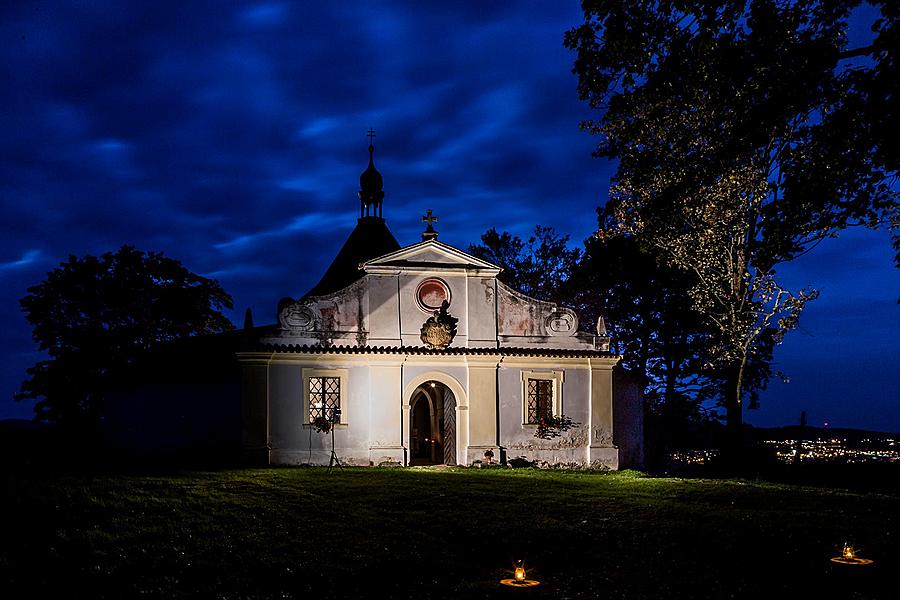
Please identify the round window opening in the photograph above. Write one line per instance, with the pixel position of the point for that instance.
(431, 293)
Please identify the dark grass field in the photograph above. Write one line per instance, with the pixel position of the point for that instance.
(423, 533)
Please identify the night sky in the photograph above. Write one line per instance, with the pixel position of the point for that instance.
(231, 136)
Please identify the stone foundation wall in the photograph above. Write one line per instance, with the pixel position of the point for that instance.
(348, 457)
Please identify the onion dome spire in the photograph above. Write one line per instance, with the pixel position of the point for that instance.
(370, 186)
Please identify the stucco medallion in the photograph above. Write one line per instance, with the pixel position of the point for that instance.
(563, 322)
(295, 317)
(431, 294)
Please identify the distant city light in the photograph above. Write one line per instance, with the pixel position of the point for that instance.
(832, 450)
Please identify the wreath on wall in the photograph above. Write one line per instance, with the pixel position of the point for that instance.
(321, 424)
(550, 427)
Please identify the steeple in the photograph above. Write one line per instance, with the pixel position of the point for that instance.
(370, 186)
(369, 239)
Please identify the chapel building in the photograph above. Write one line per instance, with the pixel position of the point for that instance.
(419, 355)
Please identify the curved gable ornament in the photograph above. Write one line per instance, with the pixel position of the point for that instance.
(562, 322)
(296, 317)
(440, 329)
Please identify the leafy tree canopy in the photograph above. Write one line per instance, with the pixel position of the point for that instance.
(746, 132)
(540, 267)
(96, 315)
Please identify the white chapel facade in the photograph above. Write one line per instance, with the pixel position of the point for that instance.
(420, 355)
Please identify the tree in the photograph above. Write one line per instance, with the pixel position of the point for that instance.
(644, 303)
(540, 267)
(746, 132)
(97, 316)
(653, 326)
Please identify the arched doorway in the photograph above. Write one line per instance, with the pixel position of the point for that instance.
(432, 433)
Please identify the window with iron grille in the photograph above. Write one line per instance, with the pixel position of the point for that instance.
(324, 397)
(540, 400)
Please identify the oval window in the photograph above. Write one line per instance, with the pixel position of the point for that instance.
(431, 293)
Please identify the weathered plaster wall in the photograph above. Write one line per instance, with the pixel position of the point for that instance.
(517, 437)
(523, 321)
(482, 409)
(386, 443)
(412, 317)
(384, 306)
(602, 452)
(291, 440)
(482, 312)
(341, 318)
(519, 315)
(377, 409)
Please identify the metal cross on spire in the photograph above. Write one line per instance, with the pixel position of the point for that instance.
(371, 135)
(430, 233)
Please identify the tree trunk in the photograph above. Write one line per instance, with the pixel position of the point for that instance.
(673, 423)
(732, 447)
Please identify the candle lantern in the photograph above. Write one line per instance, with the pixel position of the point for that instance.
(519, 578)
(847, 552)
(850, 556)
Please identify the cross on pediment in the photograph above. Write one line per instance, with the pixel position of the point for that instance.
(430, 219)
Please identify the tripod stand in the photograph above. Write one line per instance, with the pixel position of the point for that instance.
(335, 418)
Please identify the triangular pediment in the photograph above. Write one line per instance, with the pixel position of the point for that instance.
(429, 254)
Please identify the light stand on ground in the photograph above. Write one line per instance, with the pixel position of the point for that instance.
(335, 419)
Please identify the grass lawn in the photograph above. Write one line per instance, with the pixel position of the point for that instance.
(426, 533)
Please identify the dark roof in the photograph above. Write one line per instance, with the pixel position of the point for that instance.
(369, 239)
(545, 352)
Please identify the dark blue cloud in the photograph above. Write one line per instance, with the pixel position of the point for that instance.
(231, 136)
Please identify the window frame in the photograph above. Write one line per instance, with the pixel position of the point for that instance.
(342, 375)
(556, 390)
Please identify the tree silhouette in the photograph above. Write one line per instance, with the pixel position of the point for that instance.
(746, 133)
(539, 267)
(653, 326)
(97, 316)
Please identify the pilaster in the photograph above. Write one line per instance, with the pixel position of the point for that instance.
(601, 451)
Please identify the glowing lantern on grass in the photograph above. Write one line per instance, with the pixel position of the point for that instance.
(519, 578)
(848, 553)
(850, 556)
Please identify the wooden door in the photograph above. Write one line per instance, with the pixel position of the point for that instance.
(448, 430)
